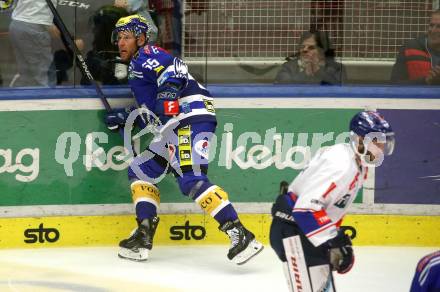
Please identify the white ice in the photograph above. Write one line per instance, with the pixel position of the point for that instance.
(190, 268)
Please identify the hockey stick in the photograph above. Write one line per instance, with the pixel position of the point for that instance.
(284, 187)
(82, 63)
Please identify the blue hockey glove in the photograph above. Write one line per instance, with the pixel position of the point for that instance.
(117, 118)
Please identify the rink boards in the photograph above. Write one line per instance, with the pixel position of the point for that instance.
(390, 230)
(60, 169)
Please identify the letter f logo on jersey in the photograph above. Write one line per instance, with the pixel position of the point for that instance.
(171, 107)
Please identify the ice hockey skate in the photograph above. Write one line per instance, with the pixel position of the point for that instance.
(244, 246)
(140, 242)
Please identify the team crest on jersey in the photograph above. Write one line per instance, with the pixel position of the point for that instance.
(342, 202)
(185, 107)
(202, 148)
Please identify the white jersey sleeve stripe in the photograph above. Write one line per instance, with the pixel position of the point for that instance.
(425, 272)
(304, 210)
(321, 235)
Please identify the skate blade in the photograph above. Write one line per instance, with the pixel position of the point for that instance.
(140, 256)
(251, 250)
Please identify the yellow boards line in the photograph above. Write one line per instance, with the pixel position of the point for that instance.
(196, 229)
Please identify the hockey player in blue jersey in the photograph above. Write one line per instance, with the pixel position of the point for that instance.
(175, 101)
(309, 211)
(427, 275)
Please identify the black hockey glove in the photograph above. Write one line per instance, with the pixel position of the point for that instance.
(341, 252)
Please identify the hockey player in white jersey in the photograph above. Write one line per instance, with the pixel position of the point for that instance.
(305, 231)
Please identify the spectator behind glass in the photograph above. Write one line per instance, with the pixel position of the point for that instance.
(169, 19)
(314, 63)
(30, 31)
(418, 61)
(75, 16)
(63, 57)
(102, 59)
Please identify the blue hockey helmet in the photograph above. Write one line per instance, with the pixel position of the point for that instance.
(368, 123)
(134, 23)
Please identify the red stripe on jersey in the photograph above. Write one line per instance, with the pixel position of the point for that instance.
(304, 210)
(293, 196)
(319, 230)
(321, 217)
(353, 182)
(338, 224)
(366, 173)
(330, 188)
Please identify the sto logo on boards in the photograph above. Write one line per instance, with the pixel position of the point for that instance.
(187, 232)
(41, 234)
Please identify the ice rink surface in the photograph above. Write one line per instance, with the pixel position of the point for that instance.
(190, 268)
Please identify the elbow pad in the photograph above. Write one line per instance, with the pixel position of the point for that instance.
(170, 84)
(177, 74)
